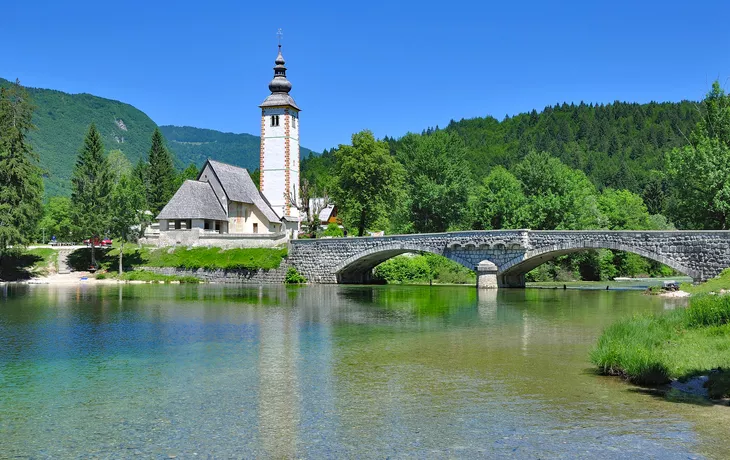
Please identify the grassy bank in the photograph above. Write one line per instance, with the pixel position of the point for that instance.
(135, 258)
(150, 277)
(717, 285)
(651, 350)
(19, 264)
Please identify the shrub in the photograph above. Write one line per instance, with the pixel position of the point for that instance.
(403, 269)
(333, 230)
(294, 277)
(101, 276)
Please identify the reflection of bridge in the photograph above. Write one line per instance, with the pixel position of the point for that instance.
(501, 258)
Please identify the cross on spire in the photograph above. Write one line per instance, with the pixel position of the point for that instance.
(279, 34)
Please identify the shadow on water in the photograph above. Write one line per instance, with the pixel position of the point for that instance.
(676, 396)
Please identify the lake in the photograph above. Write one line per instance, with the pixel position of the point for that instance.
(329, 372)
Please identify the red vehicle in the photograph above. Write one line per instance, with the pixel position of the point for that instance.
(98, 243)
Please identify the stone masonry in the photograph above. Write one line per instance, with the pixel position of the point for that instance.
(698, 254)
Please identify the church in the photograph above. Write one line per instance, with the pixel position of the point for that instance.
(223, 206)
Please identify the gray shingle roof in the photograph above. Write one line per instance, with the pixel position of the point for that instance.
(279, 100)
(194, 200)
(238, 186)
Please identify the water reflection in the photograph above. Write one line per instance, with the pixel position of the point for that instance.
(323, 371)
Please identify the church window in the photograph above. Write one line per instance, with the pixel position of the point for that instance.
(293, 122)
(275, 120)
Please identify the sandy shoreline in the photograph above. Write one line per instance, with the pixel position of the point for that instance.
(72, 279)
(674, 294)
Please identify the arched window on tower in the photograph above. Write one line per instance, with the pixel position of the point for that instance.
(275, 120)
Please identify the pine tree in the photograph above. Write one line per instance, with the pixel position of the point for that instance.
(21, 186)
(161, 177)
(91, 185)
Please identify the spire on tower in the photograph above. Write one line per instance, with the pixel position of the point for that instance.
(279, 86)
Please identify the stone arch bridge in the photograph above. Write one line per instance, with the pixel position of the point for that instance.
(503, 257)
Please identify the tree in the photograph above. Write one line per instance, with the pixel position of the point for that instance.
(623, 210)
(126, 204)
(500, 201)
(91, 184)
(369, 181)
(58, 219)
(189, 173)
(438, 179)
(309, 204)
(21, 186)
(558, 197)
(700, 172)
(119, 164)
(161, 177)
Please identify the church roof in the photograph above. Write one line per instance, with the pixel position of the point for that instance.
(279, 100)
(238, 186)
(193, 200)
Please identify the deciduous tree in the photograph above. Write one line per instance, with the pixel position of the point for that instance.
(700, 172)
(500, 201)
(438, 179)
(126, 204)
(369, 181)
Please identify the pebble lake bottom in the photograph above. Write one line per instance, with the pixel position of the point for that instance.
(215, 371)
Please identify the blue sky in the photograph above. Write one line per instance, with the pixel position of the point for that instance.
(391, 67)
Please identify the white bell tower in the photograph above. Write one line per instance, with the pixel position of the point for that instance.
(280, 145)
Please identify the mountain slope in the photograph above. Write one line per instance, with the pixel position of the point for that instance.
(195, 145)
(63, 119)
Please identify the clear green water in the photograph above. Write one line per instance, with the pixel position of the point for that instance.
(328, 372)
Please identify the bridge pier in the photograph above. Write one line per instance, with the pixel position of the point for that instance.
(486, 275)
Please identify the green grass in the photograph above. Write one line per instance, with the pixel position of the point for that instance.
(151, 277)
(48, 258)
(721, 281)
(216, 258)
(651, 350)
(206, 258)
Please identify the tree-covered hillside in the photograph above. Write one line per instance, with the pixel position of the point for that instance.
(619, 145)
(62, 120)
(195, 145)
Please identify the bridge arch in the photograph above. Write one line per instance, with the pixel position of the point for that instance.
(358, 268)
(512, 273)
